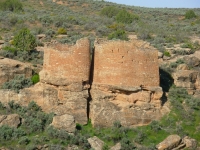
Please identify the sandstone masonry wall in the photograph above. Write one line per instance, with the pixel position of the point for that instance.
(123, 63)
(125, 84)
(64, 64)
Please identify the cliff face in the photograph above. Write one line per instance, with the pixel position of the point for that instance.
(124, 77)
(125, 84)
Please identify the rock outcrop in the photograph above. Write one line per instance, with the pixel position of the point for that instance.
(96, 143)
(125, 84)
(174, 142)
(12, 120)
(9, 68)
(65, 122)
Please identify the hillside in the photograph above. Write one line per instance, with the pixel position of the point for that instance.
(33, 29)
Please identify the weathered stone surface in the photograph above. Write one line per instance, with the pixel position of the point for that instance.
(182, 67)
(186, 79)
(169, 143)
(116, 147)
(125, 84)
(65, 122)
(160, 55)
(12, 120)
(2, 41)
(120, 63)
(192, 61)
(59, 100)
(190, 143)
(9, 68)
(96, 143)
(64, 64)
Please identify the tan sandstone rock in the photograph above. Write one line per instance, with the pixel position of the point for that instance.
(96, 143)
(9, 68)
(190, 143)
(12, 120)
(182, 67)
(125, 84)
(116, 147)
(169, 143)
(65, 122)
(187, 79)
(2, 42)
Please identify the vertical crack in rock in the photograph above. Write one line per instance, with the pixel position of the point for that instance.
(90, 82)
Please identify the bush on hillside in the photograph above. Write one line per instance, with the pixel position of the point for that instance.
(35, 78)
(120, 15)
(125, 17)
(62, 31)
(11, 5)
(109, 11)
(118, 34)
(19, 82)
(24, 40)
(190, 14)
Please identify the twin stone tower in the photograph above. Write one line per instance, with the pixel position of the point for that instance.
(120, 82)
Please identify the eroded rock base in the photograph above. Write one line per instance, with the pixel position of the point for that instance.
(129, 106)
(58, 99)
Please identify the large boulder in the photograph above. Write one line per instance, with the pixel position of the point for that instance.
(65, 122)
(169, 143)
(125, 84)
(187, 79)
(192, 61)
(96, 143)
(190, 143)
(12, 120)
(9, 68)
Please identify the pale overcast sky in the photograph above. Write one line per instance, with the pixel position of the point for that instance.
(161, 3)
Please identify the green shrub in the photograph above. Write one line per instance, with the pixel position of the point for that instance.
(125, 17)
(62, 31)
(187, 45)
(35, 78)
(11, 5)
(109, 11)
(24, 40)
(6, 133)
(166, 53)
(118, 34)
(24, 141)
(126, 144)
(190, 14)
(10, 49)
(19, 82)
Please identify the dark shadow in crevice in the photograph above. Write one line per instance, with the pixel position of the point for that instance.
(90, 82)
(166, 81)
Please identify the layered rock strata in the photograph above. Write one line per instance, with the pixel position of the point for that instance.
(125, 84)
